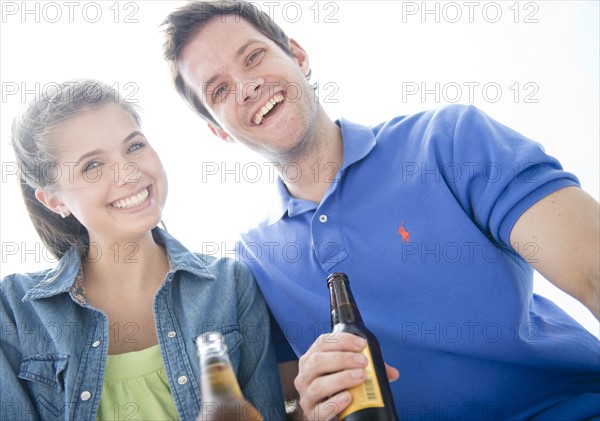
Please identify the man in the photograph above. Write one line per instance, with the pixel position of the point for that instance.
(440, 260)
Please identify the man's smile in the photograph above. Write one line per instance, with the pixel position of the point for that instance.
(266, 108)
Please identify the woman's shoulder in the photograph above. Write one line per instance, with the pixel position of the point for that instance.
(63, 271)
(14, 287)
(225, 265)
(222, 265)
(24, 280)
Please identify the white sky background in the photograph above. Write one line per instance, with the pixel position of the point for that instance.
(534, 67)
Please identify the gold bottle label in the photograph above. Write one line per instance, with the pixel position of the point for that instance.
(367, 394)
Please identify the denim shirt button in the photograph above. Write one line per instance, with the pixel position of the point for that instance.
(85, 395)
(323, 218)
(172, 334)
(95, 344)
(182, 380)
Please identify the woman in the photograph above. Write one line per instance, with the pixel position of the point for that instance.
(109, 333)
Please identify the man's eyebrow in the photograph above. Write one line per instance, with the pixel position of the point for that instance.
(244, 47)
(238, 53)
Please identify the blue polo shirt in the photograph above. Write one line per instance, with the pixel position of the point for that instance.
(419, 217)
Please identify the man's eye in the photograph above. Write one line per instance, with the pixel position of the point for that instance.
(255, 57)
(218, 92)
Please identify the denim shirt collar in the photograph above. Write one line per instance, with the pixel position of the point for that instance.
(62, 279)
(358, 141)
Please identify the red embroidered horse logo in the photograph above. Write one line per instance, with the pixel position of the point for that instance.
(403, 233)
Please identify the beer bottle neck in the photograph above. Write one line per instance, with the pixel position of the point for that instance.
(218, 379)
(343, 306)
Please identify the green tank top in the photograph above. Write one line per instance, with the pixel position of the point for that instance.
(136, 388)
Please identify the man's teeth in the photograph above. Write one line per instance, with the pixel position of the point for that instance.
(258, 118)
(131, 201)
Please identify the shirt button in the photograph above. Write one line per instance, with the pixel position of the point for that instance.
(95, 344)
(182, 380)
(85, 395)
(172, 334)
(323, 218)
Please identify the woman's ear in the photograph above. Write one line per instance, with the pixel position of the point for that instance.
(52, 202)
(300, 55)
(220, 133)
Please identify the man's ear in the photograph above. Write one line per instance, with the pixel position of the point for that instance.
(300, 55)
(220, 133)
(51, 201)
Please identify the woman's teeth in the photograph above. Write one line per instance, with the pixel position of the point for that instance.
(132, 201)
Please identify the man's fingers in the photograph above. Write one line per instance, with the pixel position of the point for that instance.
(320, 363)
(334, 405)
(392, 373)
(329, 409)
(333, 364)
(339, 341)
(319, 389)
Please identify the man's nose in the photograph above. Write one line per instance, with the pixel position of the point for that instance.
(251, 89)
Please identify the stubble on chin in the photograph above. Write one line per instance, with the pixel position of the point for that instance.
(305, 148)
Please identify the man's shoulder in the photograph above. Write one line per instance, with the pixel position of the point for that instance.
(254, 233)
(411, 132)
(450, 113)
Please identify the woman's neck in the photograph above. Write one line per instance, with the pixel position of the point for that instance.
(126, 266)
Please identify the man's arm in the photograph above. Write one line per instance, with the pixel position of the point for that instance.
(560, 237)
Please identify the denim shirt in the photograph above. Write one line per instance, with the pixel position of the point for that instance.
(54, 344)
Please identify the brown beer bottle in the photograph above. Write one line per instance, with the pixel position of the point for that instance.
(222, 398)
(372, 400)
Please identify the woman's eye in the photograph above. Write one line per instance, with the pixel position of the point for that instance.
(135, 147)
(91, 165)
(255, 57)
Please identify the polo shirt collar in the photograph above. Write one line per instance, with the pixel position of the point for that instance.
(280, 203)
(358, 141)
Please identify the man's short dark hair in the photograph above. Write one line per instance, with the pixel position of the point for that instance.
(184, 23)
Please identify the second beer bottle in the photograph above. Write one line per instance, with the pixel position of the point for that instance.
(222, 399)
(372, 400)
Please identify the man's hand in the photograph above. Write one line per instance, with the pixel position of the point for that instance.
(332, 365)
